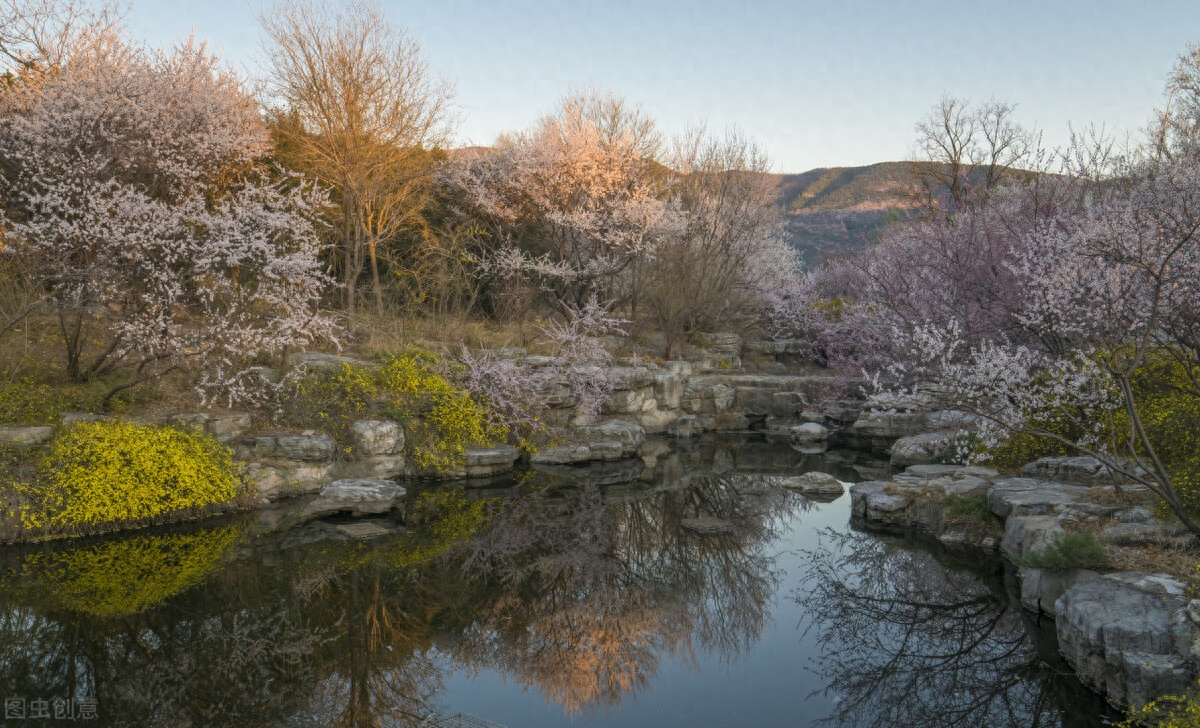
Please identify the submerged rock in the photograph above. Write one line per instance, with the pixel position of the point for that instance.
(813, 483)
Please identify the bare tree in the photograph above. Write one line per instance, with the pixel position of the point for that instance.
(958, 142)
(360, 110)
(730, 250)
(41, 34)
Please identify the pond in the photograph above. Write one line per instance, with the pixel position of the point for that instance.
(686, 588)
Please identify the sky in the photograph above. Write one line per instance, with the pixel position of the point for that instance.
(818, 84)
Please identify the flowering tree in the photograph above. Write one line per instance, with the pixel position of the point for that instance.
(1113, 308)
(131, 189)
(576, 197)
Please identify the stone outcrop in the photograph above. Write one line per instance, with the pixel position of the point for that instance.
(358, 497)
(1130, 635)
(1082, 470)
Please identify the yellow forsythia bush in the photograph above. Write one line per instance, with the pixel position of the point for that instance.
(108, 472)
(128, 575)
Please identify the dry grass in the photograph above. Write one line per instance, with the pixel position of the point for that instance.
(1178, 558)
(390, 334)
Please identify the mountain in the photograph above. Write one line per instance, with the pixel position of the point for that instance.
(840, 209)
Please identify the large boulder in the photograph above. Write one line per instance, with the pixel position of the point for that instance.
(1027, 534)
(1081, 470)
(629, 435)
(376, 437)
(808, 433)
(1033, 497)
(484, 462)
(1041, 588)
(920, 449)
(356, 497)
(1129, 635)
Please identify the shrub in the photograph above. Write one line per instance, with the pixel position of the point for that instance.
(1169, 711)
(113, 472)
(975, 508)
(1067, 551)
(332, 399)
(443, 421)
(127, 575)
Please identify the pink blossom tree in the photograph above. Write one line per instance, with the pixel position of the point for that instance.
(133, 188)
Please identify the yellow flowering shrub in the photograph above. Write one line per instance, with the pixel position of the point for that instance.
(111, 472)
(442, 420)
(332, 399)
(1170, 711)
(128, 575)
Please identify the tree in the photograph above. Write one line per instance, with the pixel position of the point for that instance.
(131, 189)
(729, 254)
(40, 35)
(575, 201)
(957, 144)
(360, 111)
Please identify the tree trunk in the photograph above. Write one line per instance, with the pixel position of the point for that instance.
(375, 280)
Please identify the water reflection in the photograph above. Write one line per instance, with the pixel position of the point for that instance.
(583, 585)
(926, 637)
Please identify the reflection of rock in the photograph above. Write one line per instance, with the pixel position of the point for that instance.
(809, 433)
(685, 426)
(1128, 635)
(356, 497)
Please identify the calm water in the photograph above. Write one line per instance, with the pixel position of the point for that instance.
(572, 596)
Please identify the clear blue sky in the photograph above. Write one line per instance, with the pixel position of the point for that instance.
(817, 83)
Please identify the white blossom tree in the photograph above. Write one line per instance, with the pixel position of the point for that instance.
(132, 187)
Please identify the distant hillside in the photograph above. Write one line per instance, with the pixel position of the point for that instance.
(839, 209)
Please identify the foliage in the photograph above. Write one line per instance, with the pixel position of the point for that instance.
(1169, 711)
(114, 472)
(975, 508)
(330, 398)
(133, 193)
(443, 420)
(1078, 550)
(510, 394)
(441, 519)
(123, 576)
(29, 402)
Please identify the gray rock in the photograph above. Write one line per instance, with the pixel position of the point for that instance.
(25, 435)
(685, 426)
(605, 451)
(1081, 470)
(920, 449)
(377, 437)
(668, 389)
(1127, 635)
(809, 433)
(1134, 534)
(655, 421)
(1032, 497)
(357, 497)
(869, 500)
(1040, 589)
(305, 448)
(813, 483)
(1027, 534)
(70, 418)
(484, 462)
(561, 455)
(316, 359)
(629, 435)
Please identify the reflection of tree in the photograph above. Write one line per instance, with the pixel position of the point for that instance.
(907, 641)
(577, 592)
(594, 598)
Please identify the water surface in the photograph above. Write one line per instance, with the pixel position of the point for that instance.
(568, 596)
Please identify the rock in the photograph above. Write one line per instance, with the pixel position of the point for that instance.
(809, 433)
(655, 421)
(605, 451)
(731, 422)
(316, 359)
(1127, 635)
(1139, 514)
(483, 462)
(1134, 534)
(920, 449)
(357, 497)
(25, 435)
(869, 500)
(629, 435)
(707, 525)
(727, 343)
(1032, 497)
(561, 455)
(814, 483)
(706, 396)
(70, 418)
(680, 367)
(305, 448)
(224, 427)
(685, 426)
(377, 437)
(668, 389)
(1026, 534)
(1082, 470)
(1040, 589)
